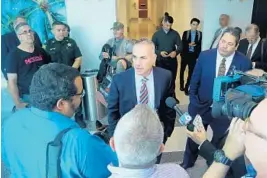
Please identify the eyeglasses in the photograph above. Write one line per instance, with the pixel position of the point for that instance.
(82, 94)
(26, 32)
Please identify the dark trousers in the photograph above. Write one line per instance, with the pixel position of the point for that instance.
(189, 60)
(170, 64)
(218, 126)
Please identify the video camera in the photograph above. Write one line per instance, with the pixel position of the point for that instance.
(106, 71)
(238, 94)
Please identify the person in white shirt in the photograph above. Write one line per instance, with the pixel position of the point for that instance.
(224, 22)
(138, 140)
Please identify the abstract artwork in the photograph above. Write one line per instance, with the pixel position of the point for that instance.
(40, 15)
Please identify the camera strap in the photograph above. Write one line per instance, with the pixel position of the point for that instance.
(53, 153)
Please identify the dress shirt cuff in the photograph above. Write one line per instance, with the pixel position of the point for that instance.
(201, 145)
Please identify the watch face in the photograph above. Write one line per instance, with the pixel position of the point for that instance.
(218, 155)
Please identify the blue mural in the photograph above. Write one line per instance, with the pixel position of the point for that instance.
(40, 15)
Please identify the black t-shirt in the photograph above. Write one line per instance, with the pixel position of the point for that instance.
(64, 52)
(25, 64)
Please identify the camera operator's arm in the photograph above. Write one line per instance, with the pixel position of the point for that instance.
(233, 148)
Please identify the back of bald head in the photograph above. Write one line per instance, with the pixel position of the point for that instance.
(253, 27)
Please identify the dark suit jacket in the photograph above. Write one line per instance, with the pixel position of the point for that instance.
(198, 41)
(256, 57)
(237, 169)
(122, 96)
(201, 85)
(9, 42)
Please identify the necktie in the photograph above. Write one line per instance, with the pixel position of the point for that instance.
(222, 68)
(143, 92)
(249, 51)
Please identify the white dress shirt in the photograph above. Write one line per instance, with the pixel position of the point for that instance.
(255, 45)
(167, 170)
(216, 42)
(150, 88)
(228, 62)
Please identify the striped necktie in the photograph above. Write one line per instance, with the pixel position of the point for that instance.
(222, 68)
(249, 53)
(143, 92)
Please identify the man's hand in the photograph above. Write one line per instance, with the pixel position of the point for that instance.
(234, 145)
(256, 72)
(164, 54)
(172, 54)
(21, 105)
(192, 44)
(199, 135)
(105, 55)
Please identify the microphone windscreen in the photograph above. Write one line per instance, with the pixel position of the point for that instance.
(170, 102)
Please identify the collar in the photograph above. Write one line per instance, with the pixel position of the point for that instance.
(118, 40)
(60, 119)
(126, 172)
(139, 77)
(227, 58)
(166, 32)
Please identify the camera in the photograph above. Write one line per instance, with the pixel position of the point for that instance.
(106, 71)
(237, 95)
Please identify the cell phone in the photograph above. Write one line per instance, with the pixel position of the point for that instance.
(198, 122)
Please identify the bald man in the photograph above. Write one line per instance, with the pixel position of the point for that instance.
(224, 22)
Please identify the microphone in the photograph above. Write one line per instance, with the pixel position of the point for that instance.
(184, 118)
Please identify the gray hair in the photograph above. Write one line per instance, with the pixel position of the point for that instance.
(234, 32)
(15, 22)
(253, 27)
(18, 26)
(138, 137)
(145, 41)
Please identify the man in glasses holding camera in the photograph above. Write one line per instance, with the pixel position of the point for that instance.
(121, 55)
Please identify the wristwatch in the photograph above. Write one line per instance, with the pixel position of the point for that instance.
(220, 157)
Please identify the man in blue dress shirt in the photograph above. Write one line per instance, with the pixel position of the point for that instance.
(56, 92)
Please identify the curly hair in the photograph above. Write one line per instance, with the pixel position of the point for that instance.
(50, 83)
